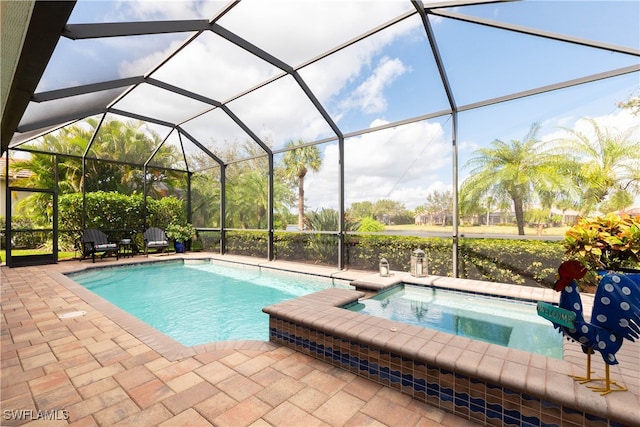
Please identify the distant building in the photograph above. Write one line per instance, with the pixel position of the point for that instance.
(634, 211)
(13, 175)
(433, 218)
(492, 218)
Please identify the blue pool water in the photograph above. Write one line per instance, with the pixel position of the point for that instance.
(513, 324)
(200, 302)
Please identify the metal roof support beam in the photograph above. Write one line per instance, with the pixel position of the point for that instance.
(550, 88)
(184, 156)
(183, 92)
(454, 131)
(144, 181)
(222, 186)
(223, 209)
(288, 69)
(392, 22)
(189, 176)
(120, 29)
(341, 209)
(23, 139)
(270, 231)
(54, 121)
(84, 89)
(249, 47)
(200, 146)
(76, 156)
(316, 103)
(140, 117)
(155, 151)
(533, 32)
(84, 170)
(456, 3)
(245, 128)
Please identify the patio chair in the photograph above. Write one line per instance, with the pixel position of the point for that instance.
(95, 241)
(155, 238)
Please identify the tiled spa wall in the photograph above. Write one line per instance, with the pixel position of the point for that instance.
(479, 401)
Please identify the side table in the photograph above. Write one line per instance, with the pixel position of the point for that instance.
(126, 248)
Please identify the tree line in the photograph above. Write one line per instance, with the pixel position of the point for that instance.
(581, 172)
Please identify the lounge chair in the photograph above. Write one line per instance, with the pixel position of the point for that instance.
(155, 238)
(95, 241)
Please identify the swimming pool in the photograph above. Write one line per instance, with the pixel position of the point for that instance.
(196, 302)
(513, 324)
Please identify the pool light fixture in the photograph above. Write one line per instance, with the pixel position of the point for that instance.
(419, 264)
(383, 266)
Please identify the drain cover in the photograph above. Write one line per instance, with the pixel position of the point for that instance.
(72, 314)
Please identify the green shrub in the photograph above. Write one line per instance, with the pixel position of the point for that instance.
(162, 212)
(249, 243)
(365, 250)
(119, 215)
(370, 225)
(608, 242)
(524, 262)
(517, 261)
(105, 211)
(604, 243)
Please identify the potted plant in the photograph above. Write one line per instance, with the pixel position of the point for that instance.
(611, 242)
(180, 234)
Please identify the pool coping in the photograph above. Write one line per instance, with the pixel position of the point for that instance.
(513, 367)
(166, 346)
(321, 316)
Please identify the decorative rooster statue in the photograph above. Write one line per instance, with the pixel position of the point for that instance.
(615, 316)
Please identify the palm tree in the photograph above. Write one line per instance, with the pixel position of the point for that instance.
(41, 166)
(517, 171)
(205, 192)
(116, 140)
(131, 142)
(608, 166)
(323, 245)
(247, 195)
(298, 162)
(329, 220)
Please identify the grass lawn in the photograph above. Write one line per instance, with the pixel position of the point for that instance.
(482, 229)
(18, 252)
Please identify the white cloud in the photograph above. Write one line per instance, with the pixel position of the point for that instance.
(218, 69)
(145, 10)
(402, 164)
(143, 64)
(619, 121)
(296, 31)
(369, 95)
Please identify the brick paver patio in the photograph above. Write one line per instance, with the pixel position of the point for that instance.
(89, 370)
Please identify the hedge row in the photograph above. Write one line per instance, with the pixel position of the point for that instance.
(522, 262)
(111, 211)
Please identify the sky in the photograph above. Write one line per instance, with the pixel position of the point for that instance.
(391, 76)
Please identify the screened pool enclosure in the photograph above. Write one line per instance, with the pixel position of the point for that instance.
(277, 123)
